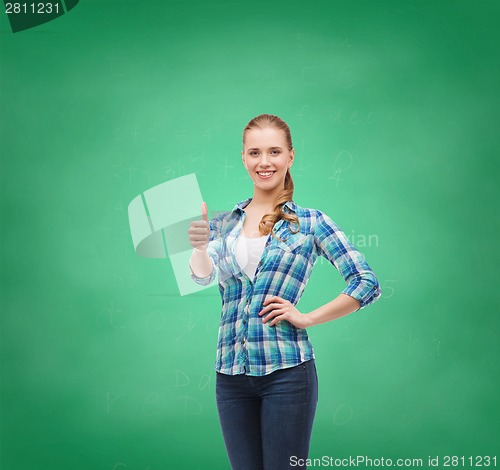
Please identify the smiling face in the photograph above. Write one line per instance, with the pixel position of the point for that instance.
(266, 151)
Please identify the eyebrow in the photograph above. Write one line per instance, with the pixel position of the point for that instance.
(270, 148)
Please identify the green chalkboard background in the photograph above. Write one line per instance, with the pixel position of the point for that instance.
(393, 108)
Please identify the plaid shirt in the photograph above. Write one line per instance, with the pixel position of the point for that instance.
(246, 345)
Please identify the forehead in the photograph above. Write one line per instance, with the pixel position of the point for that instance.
(267, 137)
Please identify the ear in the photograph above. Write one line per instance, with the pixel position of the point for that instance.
(292, 156)
(243, 159)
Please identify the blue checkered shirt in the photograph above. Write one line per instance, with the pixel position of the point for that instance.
(246, 345)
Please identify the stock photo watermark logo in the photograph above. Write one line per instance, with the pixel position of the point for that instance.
(26, 15)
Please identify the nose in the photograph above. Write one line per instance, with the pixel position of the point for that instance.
(264, 160)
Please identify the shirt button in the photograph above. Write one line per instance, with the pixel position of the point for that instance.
(244, 321)
(243, 341)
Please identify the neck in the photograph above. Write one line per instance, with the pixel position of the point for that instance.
(265, 199)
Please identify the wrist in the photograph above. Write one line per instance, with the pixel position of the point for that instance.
(310, 319)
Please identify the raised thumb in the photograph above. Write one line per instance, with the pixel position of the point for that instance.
(204, 211)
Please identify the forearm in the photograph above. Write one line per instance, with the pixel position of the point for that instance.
(338, 307)
(201, 264)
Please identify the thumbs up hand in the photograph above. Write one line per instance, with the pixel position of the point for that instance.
(199, 230)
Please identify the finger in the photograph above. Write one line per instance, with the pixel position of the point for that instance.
(276, 320)
(272, 315)
(198, 230)
(274, 298)
(203, 231)
(204, 211)
(266, 316)
(267, 309)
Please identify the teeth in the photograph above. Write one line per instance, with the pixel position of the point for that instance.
(265, 174)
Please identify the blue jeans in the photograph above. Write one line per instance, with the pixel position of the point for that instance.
(267, 420)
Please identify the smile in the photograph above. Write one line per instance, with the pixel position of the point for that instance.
(266, 174)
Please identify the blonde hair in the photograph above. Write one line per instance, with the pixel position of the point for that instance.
(267, 222)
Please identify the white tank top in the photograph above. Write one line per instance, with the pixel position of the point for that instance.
(248, 252)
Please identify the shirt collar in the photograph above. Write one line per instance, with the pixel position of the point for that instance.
(240, 205)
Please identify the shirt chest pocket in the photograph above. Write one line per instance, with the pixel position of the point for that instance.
(293, 243)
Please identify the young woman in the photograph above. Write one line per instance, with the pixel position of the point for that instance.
(264, 251)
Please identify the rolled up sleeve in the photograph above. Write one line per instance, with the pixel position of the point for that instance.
(332, 244)
(213, 250)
